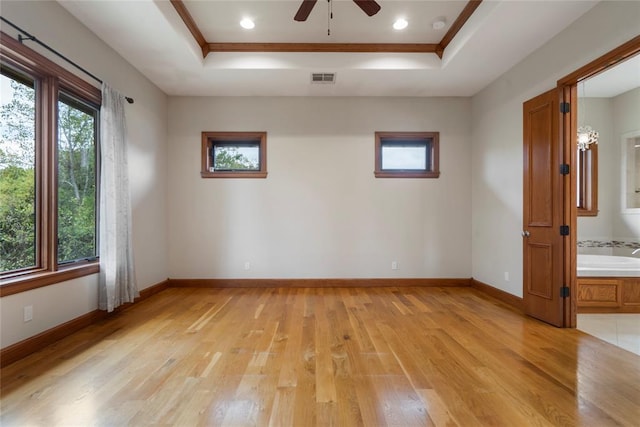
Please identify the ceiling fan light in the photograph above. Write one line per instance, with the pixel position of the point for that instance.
(400, 24)
(247, 24)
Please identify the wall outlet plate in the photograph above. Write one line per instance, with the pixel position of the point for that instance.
(28, 313)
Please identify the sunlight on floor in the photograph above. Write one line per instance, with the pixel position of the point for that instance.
(622, 330)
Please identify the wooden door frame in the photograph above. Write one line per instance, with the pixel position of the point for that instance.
(567, 88)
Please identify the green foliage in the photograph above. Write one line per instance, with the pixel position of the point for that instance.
(17, 218)
(76, 181)
(76, 184)
(229, 158)
(17, 179)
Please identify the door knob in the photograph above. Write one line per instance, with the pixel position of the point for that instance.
(525, 233)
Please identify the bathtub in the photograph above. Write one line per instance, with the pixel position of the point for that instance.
(608, 266)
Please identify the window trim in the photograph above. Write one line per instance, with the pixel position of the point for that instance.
(33, 280)
(51, 80)
(417, 136)
(587, 191)
(209, 139)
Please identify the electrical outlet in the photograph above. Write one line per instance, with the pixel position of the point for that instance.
(506, 276)
(28, 313)
(247, 265)
(394, 265)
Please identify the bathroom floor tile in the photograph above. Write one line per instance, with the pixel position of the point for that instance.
(621, 329)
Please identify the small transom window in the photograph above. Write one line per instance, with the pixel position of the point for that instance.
(234, 155)
(407, 155)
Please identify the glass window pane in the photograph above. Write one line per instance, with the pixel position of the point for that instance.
(77, 237)
(236, 157)
(17, 173)
(398, 157)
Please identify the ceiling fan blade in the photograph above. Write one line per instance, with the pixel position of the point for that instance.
(305, 9)
(370, 7)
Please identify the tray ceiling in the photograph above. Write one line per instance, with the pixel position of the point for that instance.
(152, 36)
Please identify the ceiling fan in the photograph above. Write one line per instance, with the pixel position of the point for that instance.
(370, 7)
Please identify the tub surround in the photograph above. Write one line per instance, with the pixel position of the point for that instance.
(608, 284)
(601, 246)
(604, 243)
(608, 266)
(608, 294)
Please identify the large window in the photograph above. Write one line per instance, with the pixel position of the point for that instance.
(407, 155)
(17, 172)
(234, 155)
(48, 171)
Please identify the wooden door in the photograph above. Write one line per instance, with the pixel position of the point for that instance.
(543, 210)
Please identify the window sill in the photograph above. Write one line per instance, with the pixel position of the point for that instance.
(233, 174)
(386, 174)
(27, 282)
(587, 212)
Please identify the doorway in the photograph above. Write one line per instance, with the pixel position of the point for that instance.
(608, 216)
(562, 283)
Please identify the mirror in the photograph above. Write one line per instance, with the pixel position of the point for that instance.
(631, 172)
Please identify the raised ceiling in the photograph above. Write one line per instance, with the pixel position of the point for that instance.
(153, 37)
(327, 34)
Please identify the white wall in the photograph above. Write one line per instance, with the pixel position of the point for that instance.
(598, 113)
(146, 119)
(320, 213)
(497, 135)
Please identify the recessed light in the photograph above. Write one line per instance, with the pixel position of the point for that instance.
(247, 24)
(439, 23)
(400, 24)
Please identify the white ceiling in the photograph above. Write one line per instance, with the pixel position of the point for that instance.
(614, 81)
(218, 21)
(153, 38)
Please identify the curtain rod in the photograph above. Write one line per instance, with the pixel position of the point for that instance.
(28, 37)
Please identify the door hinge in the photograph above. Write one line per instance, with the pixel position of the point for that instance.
(564, 292)
(565, 107)
(564, 230)
(564, 169)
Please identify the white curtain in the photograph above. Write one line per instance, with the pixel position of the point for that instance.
(117, 277)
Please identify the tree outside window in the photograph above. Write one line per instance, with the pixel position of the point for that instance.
(76, 177)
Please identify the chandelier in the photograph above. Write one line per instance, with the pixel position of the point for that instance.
(586, 137)
(586, 134)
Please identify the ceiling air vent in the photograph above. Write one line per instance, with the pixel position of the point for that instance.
(320, 78)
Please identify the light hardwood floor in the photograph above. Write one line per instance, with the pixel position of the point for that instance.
(305, 357)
